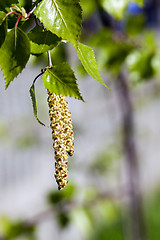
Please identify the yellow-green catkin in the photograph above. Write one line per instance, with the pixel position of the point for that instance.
(62, 134)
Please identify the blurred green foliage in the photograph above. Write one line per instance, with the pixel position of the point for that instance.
(88, 8)
(26, 141)
(105, 160)
(108, 232)
(140, 61)
(13, 229)
(114, 7)
(140, 54)
(57, 197)
(152, 207)
(129, 46)
(3, 130)
(117, 8)
(134, 24)
(98, 217)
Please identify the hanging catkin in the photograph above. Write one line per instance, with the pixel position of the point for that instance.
(62, 134)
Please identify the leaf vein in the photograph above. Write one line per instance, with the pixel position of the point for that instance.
(61, 15)
(58, 79)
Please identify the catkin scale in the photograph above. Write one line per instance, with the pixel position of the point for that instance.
(62, 134)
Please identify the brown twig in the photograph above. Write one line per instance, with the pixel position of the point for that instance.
(129, 148)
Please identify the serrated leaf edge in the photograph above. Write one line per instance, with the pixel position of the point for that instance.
(77, 48)
(58, 79)
(6, 85)
(75, 40)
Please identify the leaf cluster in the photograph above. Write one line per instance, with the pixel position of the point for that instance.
(35, 28)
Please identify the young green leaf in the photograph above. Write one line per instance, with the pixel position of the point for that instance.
(14, 54)
(62, 17)
(61, 80)
(42, 41)
(6, 4)
(87, 57)
(34, 103)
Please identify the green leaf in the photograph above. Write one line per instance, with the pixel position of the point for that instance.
(87, 57)
(61, 80)
(117, 7)
(14, 54)
(2, 17)
(3, 31)
(4, 4)
(34, 103)
(62, 17)
(42, 41)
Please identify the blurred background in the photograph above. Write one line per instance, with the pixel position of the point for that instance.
(114, 175)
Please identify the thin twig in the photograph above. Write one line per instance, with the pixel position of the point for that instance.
(34, 8)
(42, 71)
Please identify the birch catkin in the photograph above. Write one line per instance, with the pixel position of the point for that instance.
(62, 134)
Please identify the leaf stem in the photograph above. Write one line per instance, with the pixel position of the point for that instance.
(18, 21)
(42, 71)
(10, 13)
(48, 52)
(49, 59)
